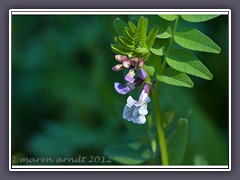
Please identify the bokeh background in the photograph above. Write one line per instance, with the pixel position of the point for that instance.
(64, 103)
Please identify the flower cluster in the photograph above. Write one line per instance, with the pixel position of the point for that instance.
(134, 111)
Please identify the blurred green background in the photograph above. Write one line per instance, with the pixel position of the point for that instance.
(64, 103)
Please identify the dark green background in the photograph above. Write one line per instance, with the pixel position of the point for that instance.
(64, 103)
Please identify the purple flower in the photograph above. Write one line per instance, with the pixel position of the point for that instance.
(124, 89)
(117, 67)
(136, 111)
(130, 75)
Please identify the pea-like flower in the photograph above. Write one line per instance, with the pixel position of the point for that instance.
(136, 111)
(124, 89)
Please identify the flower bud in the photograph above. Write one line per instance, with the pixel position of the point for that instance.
(126, 64)
(146, 88)
(117, 67)
(121, 58)
(140, 63)
(135, 61)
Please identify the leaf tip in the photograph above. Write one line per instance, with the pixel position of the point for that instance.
(183, 121)
(191, 86)
(219, 50)
(210, 77)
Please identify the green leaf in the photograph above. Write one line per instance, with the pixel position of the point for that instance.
(154, 61)
(142, 51)
(159, 46)
(168, 118)
(123, 44)
(176, 78)
(127, 34)
(168, 17)
(164, 26)
(177, 142)
(187, 62)
(152, 36)
(195, 40)
(119, 50)
(198, 18)
(132, 26)
(131, 153)
(149, 69)
(202, 131)
(126, 41)
(166, 34)
(119, 26)
(141, 32)
(158, 52)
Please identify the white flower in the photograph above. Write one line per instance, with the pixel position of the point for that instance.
(136, 111)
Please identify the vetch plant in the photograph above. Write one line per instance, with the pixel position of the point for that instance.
(158, 51)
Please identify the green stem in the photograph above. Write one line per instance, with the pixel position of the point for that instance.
(153, 141)
(170, 43)
(160, 131)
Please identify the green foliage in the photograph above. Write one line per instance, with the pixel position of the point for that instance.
(130, 153)
(64, 104)
(203, 136)
(141, 31)
(63, 139)
(119, 26)
(165, 30)
(169, 17)
(198, 18)
(177, 142)
(155, 62)
(152, 36)
(187, 62)
(156, 38)
(137, 43)
(193, 39)
(149, 69)
(63, 100)
(158, 52)
(133, 40)
(173, 77)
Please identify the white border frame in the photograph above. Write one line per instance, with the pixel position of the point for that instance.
(118, 12)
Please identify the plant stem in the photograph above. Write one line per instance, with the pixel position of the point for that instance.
(170, 43)
(153, 141)
(160, 131)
